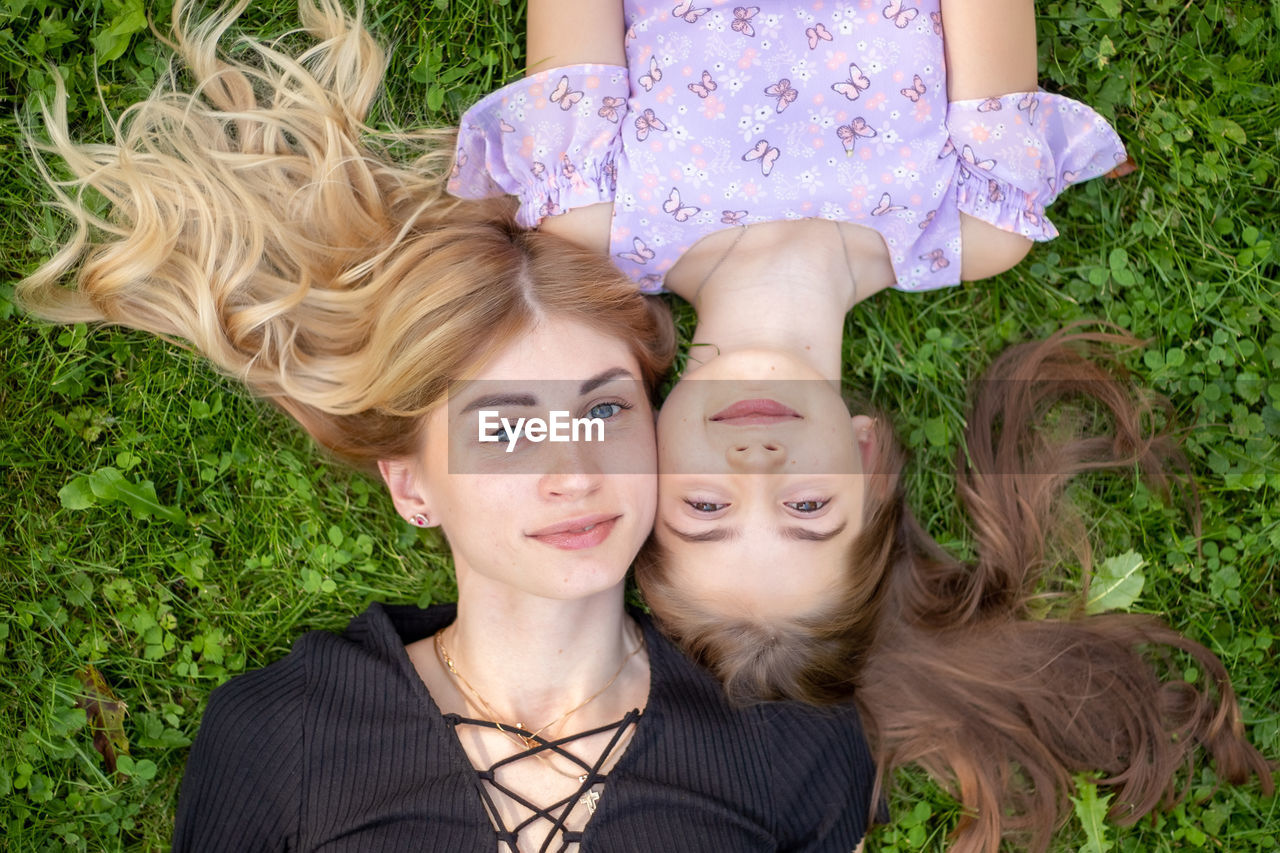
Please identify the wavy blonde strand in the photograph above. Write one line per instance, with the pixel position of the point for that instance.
(255, 217)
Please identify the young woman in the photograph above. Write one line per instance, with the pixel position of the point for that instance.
(775, 164)
(253, 219)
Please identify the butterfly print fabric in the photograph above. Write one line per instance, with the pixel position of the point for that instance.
(730, 114)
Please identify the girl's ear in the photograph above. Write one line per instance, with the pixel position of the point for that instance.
(407, 492)
(881, 460)
(864, 432)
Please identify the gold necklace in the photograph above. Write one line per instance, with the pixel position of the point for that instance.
(520, 732)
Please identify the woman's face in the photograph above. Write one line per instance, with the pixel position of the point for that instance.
(761, 486)
(557, 519)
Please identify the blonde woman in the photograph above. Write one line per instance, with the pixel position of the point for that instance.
(256, 219)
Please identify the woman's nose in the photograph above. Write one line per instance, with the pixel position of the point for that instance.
(570, 473)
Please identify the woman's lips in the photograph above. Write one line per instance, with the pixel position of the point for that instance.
(755, 412)
(577, 534)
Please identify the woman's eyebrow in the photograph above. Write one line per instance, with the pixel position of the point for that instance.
(494, 401)
(589, 385)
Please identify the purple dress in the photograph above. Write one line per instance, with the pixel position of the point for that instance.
(730, 115)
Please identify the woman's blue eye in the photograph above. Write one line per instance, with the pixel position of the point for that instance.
(807, 506)
(605, 411)
(705, 506)
(500, 435)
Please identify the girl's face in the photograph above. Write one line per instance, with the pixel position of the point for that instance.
(557, 519)
(761, 486)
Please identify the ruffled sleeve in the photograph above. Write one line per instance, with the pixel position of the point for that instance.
(552, 140)
(1016, 153)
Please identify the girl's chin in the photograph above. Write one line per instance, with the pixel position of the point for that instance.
(754, 365)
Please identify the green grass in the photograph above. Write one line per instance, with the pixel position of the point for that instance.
(258, 537)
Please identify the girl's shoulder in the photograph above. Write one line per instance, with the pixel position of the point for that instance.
(551, 139)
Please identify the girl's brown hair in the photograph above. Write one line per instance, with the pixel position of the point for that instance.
(254, 216)
(950, 662)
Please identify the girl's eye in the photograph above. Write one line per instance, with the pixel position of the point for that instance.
(705, 506)
(605, 411)
(807, 506)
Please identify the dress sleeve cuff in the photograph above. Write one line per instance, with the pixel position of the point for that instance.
(1016, 153)
(551, 139)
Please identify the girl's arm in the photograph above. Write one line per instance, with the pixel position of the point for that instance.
(990, 50)
(990, 47)
(569, 32)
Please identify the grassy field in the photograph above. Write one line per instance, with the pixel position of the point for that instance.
(157, 525)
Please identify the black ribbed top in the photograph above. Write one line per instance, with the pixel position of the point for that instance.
(339, 747)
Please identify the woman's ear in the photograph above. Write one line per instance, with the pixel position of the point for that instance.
(407, 492)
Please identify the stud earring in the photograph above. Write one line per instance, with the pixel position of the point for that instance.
(419, 520)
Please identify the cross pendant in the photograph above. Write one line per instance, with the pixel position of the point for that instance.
(589, 800)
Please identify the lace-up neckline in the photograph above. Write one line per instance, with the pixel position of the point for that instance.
(556, 814)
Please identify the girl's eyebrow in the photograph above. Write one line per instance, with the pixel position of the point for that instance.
(804, 534)
(716, 534)
(725, 534)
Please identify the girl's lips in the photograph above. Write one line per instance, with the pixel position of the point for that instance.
(754, 413)
(577, 534)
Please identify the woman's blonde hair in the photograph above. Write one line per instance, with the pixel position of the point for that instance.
(254, 216)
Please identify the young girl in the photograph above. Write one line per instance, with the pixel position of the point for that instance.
(741, 131)
(786, 559)
(775, 164)
(251, 219)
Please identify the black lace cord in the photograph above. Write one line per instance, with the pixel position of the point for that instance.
(593, 777)
(511, 837)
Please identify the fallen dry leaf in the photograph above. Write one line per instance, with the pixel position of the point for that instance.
(1128, 167)
(105, 714)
